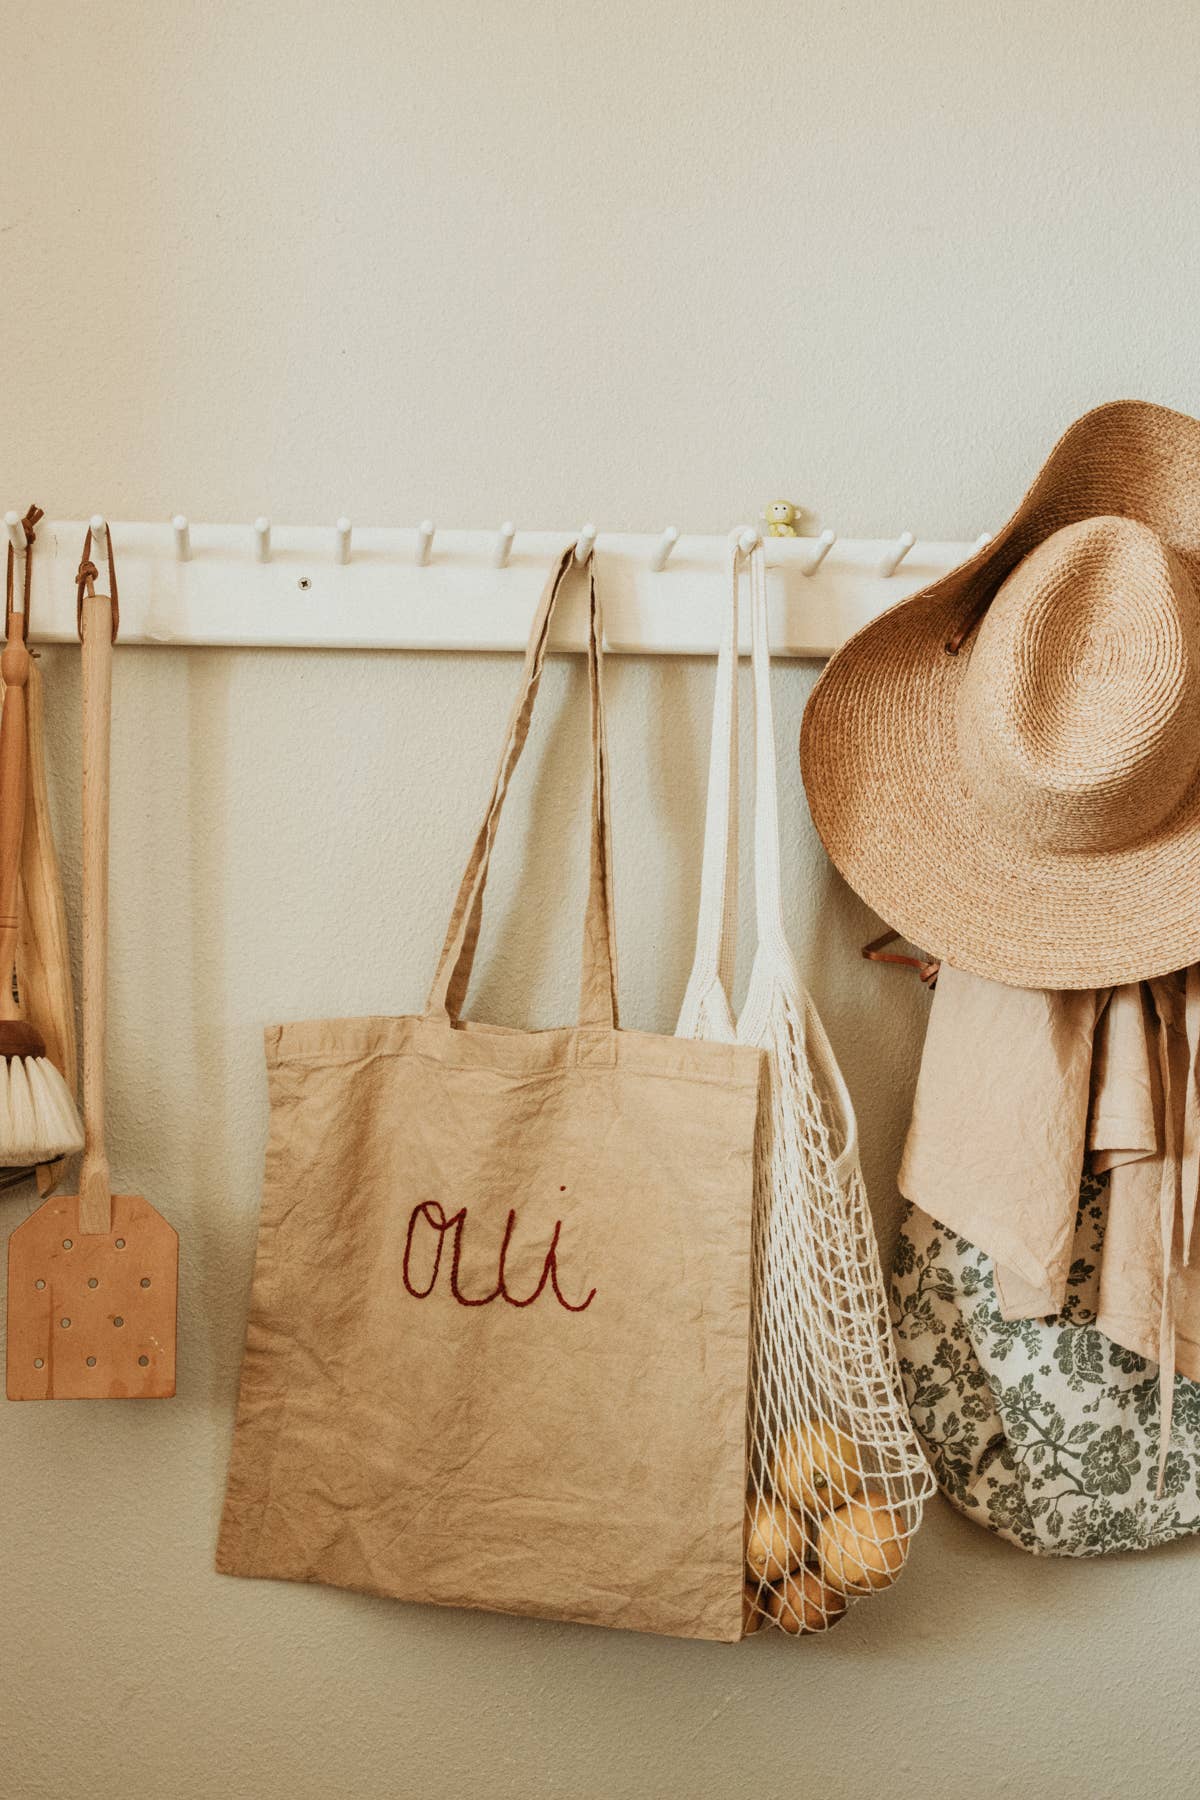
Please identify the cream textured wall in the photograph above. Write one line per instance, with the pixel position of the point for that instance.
(550, 261)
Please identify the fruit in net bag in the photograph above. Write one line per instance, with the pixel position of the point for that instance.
(862, 1545)
(816, 1467)
(774, 1540)
(804, 1602)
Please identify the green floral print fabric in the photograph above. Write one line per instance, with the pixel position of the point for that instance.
(1043, 1430)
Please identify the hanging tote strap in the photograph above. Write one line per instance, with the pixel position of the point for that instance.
(768, 877)
(707, 1006)
(774, 963)
(708, 999)
(707, 1009)
(598, 990)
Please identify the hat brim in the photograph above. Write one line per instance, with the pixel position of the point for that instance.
(881, 765)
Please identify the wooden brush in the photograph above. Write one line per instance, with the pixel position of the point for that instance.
(38, 1117)
(44, 951)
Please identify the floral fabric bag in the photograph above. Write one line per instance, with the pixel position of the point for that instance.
(1045, 1431)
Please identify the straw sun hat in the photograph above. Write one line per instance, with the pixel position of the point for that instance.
(1006, 766)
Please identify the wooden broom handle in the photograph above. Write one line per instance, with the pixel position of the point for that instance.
(14, 667)
(95, 1182)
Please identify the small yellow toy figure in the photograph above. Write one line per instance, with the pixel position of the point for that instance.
(781, 519)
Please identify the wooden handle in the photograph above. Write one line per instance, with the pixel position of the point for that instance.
(45, 987)
(14, 667)
(95, 1183)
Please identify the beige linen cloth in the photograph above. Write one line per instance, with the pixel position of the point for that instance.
(1016, 1087)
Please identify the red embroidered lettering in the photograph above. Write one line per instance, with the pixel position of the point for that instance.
(434, 1215)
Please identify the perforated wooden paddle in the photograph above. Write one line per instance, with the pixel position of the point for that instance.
(93, 1276)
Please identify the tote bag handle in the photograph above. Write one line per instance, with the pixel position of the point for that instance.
(598, 980)
(707, 1009)
(707, 1003)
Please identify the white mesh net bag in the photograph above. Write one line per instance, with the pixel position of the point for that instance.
(835, 1477)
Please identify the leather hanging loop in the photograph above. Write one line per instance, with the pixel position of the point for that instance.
(927, 967)
(28, 522)
(962, 632)
(85, 582)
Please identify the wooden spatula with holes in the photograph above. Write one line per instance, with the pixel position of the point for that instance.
(93, 1276)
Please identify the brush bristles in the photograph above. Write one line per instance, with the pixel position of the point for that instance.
(39, 1120)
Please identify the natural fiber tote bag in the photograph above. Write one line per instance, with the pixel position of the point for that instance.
(499, 1332)
(1042, 1430)
(836, 1479)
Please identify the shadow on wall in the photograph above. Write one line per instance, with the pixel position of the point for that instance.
(214, 1254)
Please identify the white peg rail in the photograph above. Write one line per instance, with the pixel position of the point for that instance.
(263, 585)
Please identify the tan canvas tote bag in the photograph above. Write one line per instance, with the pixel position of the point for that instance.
(498, 1345)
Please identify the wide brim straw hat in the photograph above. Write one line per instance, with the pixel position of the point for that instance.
(1006, 765)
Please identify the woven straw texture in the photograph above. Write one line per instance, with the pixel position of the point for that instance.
(1029, 809)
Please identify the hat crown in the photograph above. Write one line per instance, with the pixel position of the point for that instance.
(1078, 712)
